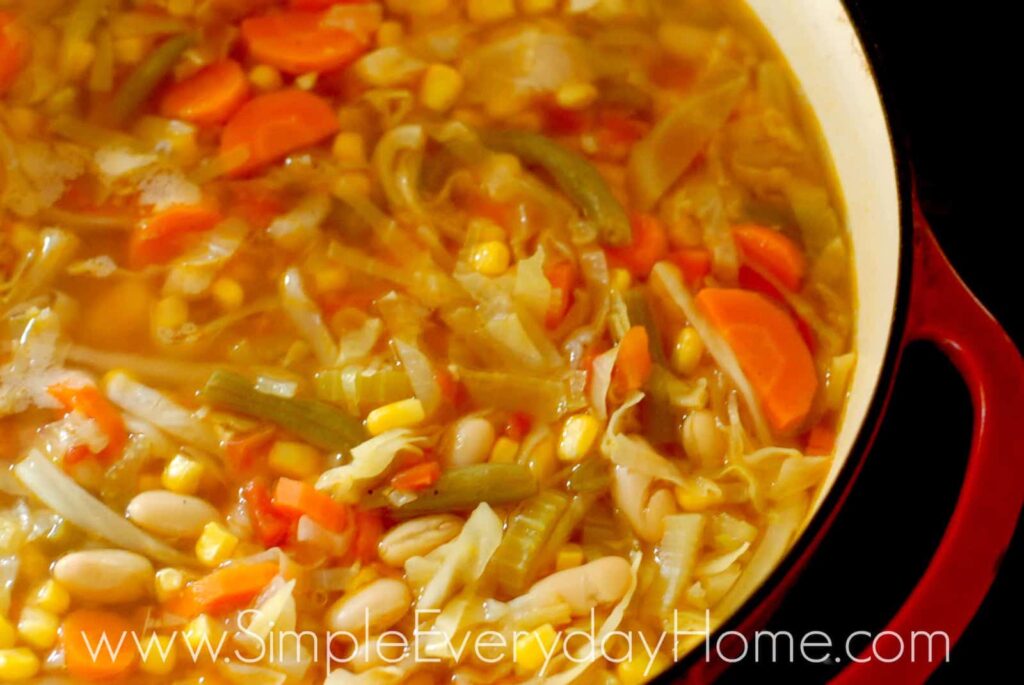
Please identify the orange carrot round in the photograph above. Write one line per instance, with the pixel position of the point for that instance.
(770, 252)
(650, 243)
(270, 126)
(88, 658)
(160, 237)
(14, 49)
(633, 363)
(299, 43)
(769, 349)
(209, 96)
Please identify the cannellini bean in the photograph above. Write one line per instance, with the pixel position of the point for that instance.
(418, 537)
(602, 581)
(644, 505)
(170, 514)
(702, 438)
(108, 576)
(375, 607)
(469, 442)
(376, 651)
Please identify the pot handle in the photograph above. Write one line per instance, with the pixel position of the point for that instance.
(944, 312)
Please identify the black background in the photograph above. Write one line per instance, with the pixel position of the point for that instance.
(885, 534)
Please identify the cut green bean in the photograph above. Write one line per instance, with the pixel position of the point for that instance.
(640, 315)
(590, 476)
(318, 423)
(145, 78)
(577, 178)
(515, 562)
(462, 489)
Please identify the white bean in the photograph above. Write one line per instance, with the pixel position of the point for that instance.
(644, 505)
(418, 537)
(600, 582)
(702, 438)
(469, 442)
(107, 576)
(375, 607)
(170, 514)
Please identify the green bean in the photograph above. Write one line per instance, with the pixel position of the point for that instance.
(515, 562)
(577, 178)
(461, 489)
(590, 475)
(318, 423)
(144, 79)
(640, 315)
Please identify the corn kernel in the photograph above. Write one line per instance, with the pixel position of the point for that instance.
(294, 459)
(620, 280)
(538, 6)
(201, 631)
(441, 87)
(531, 651)
(576, 95)
(329, 278)
(490, 258)
(482, 11)
(158, 656)
(130, 49)
(170, 313)
(182, 475)
(504, 451)
(7, 634)
(641, 668)
(38, 627)
(401, 414)
(78, 56)
(168, 582)
(306, 81)
(215, 545)
(389, 33)
(688, 350)
(18, 664)
(579, 433)
(569, 556)
(32, 562)
(51, 596)
(349, 149)
(227, 293)
(265, 77)
(698, 494)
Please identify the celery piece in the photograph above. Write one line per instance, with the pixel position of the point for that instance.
(515, 562)
(147, 75)
(590, 476)
(562, 531)
(462, 489)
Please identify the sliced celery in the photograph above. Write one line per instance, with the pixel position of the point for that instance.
(515, 562)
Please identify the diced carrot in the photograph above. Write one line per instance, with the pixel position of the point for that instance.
(770, 252)
(451, 389)
(88, 400)
(518, 425)
(299, 42)
(694, 262)
(14, 49)
(559, 121)
(97, 645)
(270, 526)
(231, 587)
(369, 524)
(821, 439)
(650, 243)
(562, 276)
(209, 96)
(416, 478)
(769, 349)
(161, 237)
(297, 499)
(633, 363)
(271, 126)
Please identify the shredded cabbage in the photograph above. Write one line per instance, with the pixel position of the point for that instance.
(306, 316)
(369, 460)
(160, 410)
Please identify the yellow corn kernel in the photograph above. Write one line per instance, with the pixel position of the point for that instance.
(389, 33)
(168, 582)
(620, 280)
(490, 258)
(578, 95)
(18, 664)
(182, 475)
(130, 49)
(32, 562)
(579, 433)
(504, 451)
(483, 11)
(227, 293)
(698, 494)
(349, 149)
(7, 634)
(329, 277)
(38, 627)
(306, 81)
(200, 631)
(50, 596)
(294, 459)
(401, 414)
(538, 6)
(641, 668)
(441, 87)
(215, 545)
(157, 656)
(569, 556)
(170, 313)
(688, 350)
(532, 650)
(265, 77)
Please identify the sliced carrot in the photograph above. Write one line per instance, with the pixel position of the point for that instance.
(633, 363)
(416, 478)
(161, 237)
(299, 42)
(770, 350)
(369, 524)
(231, 587)
(650, 243)
(88, 400)
(270, 526)
(821, 439)
(14, 49)
(270, 126)
(97, 644)
(752, 280)
(209, 96)
(694, 262)
(562, 276)
(301, 499)
(770, 252)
